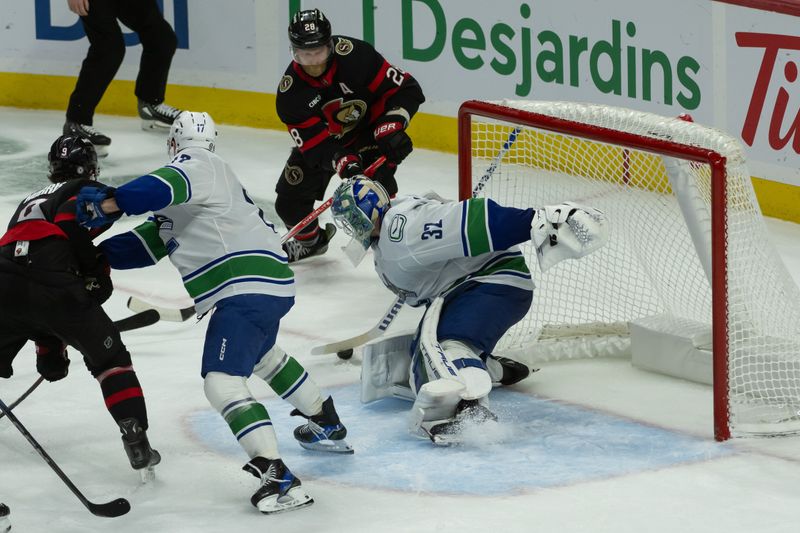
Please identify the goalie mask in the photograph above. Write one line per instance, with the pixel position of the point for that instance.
(191, 128)
(359, 205)
(72, 157)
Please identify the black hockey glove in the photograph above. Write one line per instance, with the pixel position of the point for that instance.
(88, 202)
(52, 362)
(98, 280)
(5, 369)
(393, 141)
(347, 165)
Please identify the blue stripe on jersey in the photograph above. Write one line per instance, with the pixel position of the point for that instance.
(281, 258)
(145, 193)
(243, 280)
(186, 178)
(508, 225)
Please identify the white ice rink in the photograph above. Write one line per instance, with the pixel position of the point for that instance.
(588, 446)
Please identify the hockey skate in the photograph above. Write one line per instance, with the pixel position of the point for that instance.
(142, 457)
(101, 142)
(323, 432)
(158, 116)
(468, 412)
(506, 371)
(280, 490)
(298, 250)
(5, 523)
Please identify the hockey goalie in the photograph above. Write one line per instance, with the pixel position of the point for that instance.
(461, 261)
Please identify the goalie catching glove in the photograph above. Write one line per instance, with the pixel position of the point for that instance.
(567, 231)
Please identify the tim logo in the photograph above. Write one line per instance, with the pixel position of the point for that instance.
(784, 122)
(46, 31)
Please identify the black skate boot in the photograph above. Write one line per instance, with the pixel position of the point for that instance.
(298, 250)
(101, 142)
(510, 371)
(5, 522)
(467, 412)
(140, 454)
(323, 432)
(280, 490)
(157, 116)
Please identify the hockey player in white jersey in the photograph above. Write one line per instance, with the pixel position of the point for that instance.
(232, 263)
(461, 261)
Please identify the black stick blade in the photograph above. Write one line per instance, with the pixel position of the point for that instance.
(118, 507)
(139, 320)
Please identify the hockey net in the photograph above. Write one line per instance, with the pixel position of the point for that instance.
(688, 246)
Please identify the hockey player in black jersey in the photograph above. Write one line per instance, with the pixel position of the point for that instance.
(53, 281)
(344, 106)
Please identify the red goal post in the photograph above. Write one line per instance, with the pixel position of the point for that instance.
(688, 268)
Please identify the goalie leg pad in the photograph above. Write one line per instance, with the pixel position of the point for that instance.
(567, 231)
(385, 369)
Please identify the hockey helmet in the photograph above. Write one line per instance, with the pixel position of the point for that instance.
(191, 128)
(72, 157)
(359, 205)
(310, 36)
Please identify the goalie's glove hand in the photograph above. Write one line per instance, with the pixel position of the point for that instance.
(347, 165)
(88, 205)
(565, 231)
(52, 362)
(390, 135)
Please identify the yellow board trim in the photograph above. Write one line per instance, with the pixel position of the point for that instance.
(257, 110)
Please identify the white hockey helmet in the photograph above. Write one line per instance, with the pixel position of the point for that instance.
(191, 128)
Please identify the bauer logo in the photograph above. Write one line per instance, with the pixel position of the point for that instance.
(47, 31)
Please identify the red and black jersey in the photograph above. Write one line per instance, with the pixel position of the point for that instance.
(329, 112)
(47, 220)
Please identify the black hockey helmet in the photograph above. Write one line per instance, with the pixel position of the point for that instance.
(309, 29)
(72, 157)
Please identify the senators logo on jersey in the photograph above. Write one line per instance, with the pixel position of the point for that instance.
(343, 116)
(343, 46)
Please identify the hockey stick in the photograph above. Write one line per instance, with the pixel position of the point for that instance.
(145, 318)
(138, 305)
(114, 508)
(24, 395)
(344, 349)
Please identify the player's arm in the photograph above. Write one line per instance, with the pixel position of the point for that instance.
(137, 248)
(79, 238)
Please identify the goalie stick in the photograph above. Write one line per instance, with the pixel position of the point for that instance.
(111, 509)
(137, 305)
(344, 348)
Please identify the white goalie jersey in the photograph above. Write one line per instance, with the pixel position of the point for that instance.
(428, 247)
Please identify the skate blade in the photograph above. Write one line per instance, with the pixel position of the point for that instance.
(101, 151)
(296, 498)
(147, 475)
(329, 446)
(154, 125)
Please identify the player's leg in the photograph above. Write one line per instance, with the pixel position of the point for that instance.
(159, 43)
(79, 321)
(234, 340)
(103, 59)
(298, 187)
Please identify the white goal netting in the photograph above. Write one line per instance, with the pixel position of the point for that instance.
(658, 261)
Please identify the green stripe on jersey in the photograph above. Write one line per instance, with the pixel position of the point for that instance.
(517, 264)
(247, 415)
(287, 377)
(477, 230)
(178, 184)
(260, 266)
(148, 233)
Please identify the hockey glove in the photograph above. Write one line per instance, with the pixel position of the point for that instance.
(98, 281)
(52, 362)
(90, 212)
(5, 369)
(347, 165)
(391, 137)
